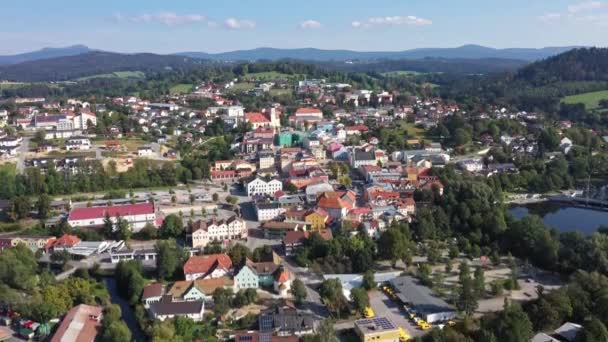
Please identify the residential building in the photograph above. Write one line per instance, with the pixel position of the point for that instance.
(80, 324)
(471, 165)
(285, 321)
(282, 282)
(78, 144)
(266, 160)
(267, 211)
(32, 242)
(337, 204)
(205, 231)
(261, 187)
(82, 120)
(144, 151)
(152, 294)
(295, 239)
(246, 278)
(168, 308)
(199, 289)
(376, 329)
(361, 157)
(318, 219)
(207, 266)
(275, 230)
(137, 215)
(256, 336)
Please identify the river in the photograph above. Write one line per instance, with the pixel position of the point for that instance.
(128, 315)
(564, 218)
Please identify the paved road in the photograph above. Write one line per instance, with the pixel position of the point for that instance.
(23, 150)
(312, 304)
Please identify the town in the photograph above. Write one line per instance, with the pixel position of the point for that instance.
(279, 201)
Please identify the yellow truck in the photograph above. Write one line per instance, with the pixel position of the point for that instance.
(403, 336)
(368, 312)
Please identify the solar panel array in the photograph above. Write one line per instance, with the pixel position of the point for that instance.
(379, 322)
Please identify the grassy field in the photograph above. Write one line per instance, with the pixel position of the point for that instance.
(413, 131)
(270, 75)
(242, 86)
(11, 85)
(590, 100)
(280, 92)
(181, 88)
(401, 73)
(117, 74)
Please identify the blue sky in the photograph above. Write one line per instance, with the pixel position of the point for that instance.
(222, 25)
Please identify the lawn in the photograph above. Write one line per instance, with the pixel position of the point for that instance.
(181, 88)
(590, 100)
(242, 86)
(413, 131)
(11, 85)
(280, 92)
(117, 74)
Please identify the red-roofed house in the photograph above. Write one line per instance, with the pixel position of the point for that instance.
(65, 241)
(337, 204)
(282, 282)
(257, 120)
(138, 215)
(309, 112)
(356, 130)
(207, 266)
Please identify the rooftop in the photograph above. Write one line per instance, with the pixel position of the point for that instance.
(374, 325)
(418, 296)
(115, 210)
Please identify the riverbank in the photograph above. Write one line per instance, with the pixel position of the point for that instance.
(128, 314)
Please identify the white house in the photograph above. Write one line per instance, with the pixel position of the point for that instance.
(78, 143)
(82, 120)
(144, 151)
(261, 187)
(566, 145)
(167, 308)
(471, 165)
(268, 211)
(204, 232)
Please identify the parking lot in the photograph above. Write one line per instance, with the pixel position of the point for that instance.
(385, 306)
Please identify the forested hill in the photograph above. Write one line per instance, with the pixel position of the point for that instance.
(92, 63)
(587, 64)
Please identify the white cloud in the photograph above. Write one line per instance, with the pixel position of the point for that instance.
(585, 6)
(550, 17)
(236, 24)
(310, 24)
(409, 20)
(589, 11)
(165, 18)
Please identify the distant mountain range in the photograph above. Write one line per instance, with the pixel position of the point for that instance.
(92, 63)
(45, 53)
(310, 54)
(319, 55)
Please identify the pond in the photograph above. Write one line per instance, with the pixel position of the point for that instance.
(564, 218)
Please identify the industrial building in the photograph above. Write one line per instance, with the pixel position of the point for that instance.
(422, 300)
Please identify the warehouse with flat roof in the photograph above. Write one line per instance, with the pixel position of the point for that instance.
(422, 300)
(377, 329)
